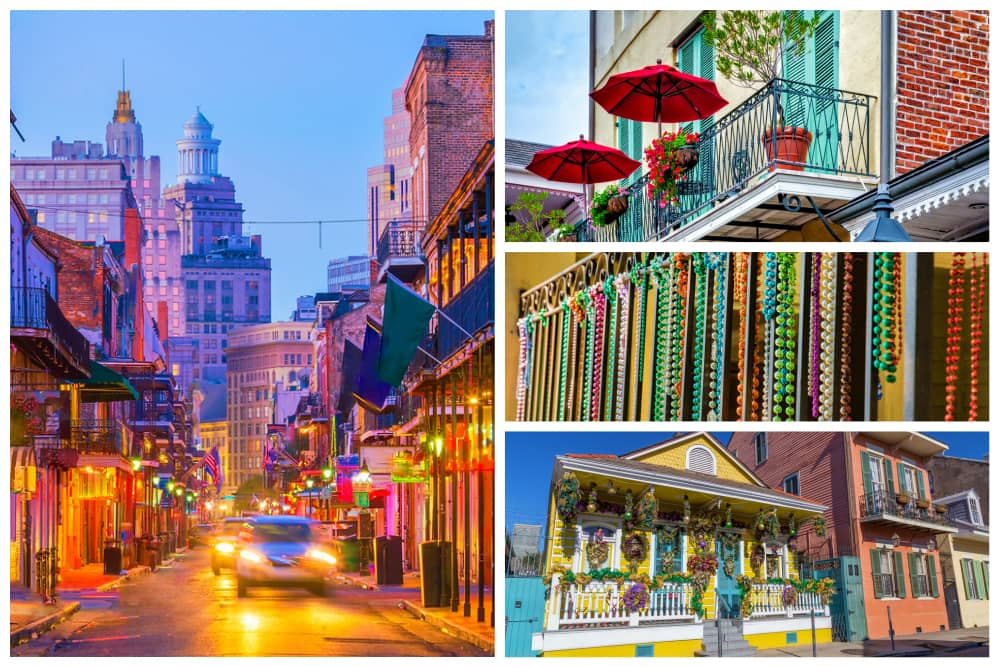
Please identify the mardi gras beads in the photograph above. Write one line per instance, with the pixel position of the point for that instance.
(884, 304)
(623, 286)
(784, 340)
(847, 305)
(611, 298)
(978, 295)
(827, 302)
(698, 340)
(522, 366)
(597, 301)
(740, 267)
(956, 290)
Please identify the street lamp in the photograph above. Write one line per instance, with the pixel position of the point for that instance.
(362, 484)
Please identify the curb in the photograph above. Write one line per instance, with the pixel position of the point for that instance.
(135, 571)
(357, 582)
(43, 624)
(455, 630)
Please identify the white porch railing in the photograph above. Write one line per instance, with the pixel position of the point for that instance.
(767, 601)
(600, 603)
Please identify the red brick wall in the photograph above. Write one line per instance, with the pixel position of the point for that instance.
(942, 83)
(450, 99)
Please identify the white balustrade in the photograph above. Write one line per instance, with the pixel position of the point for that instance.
(601, 603)
(767, 600)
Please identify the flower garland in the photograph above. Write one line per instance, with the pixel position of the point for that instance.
(847, 300)
(956, 290)
(646, 512)
(819, 526)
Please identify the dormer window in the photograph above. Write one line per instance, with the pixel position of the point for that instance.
(700, 459)
(974, 514)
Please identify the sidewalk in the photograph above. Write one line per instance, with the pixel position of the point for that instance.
(926, 643)
(30, 617)
(467, 629)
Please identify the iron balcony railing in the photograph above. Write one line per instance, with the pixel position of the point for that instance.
(885, 586)
(97, 436)
(741, 146)
(472, 309)
(882, 503)
(399, 239)
(34, 308)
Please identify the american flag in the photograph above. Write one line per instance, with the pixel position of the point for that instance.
(214, 468)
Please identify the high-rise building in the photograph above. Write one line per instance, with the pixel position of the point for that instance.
(258, 358)
(389, 182)
(305, 309)
(349, 272)
(226, 278)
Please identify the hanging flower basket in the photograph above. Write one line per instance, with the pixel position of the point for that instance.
(941, 509)
(902, 498)
(923, 503)
(669, 158)
(608, 205)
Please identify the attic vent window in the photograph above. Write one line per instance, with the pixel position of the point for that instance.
(700, 459)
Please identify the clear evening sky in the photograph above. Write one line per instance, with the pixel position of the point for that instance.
(297, 99)
(547, 61)
(530, 457)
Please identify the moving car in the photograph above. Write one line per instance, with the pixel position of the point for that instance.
(226, 544)
(282, 551)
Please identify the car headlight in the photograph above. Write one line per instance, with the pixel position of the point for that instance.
(322, 556)
(251, 556)
(225, 547)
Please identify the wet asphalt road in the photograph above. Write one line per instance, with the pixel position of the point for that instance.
(185, 610)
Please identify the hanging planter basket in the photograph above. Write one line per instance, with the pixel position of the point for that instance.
(686, 157)
(923, 503)
(902, 498)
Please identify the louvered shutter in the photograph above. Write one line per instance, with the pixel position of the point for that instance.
(866, 473)
(977, 568)
(986, 578)
(900, 575)
(914, 584)
(967, 577)
(890, 489)
(904, 482)
(876, 570)
(932, 573)
(920, 483)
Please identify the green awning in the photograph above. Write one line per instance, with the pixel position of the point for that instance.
(105, 385)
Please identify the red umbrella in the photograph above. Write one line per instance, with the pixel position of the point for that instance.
(659, 93)
(582, 162)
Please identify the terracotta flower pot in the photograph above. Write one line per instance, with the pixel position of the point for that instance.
(788, 144)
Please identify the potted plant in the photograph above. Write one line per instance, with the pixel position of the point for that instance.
(923, 503)
(750, 48)
(669, 158)
(903, 498)
(528, 218)
(608, 205)
(565, 232)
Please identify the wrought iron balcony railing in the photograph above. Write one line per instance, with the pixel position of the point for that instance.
(883, 503)
(743, 145)
(472, 308)
(34, 308)
(399, 239)
(97, 436)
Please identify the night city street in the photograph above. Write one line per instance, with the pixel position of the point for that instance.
(184, 610)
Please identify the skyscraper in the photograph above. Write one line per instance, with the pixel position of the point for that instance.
(389, 182)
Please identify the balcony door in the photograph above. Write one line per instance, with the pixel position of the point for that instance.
(816, 108)
(876, 474)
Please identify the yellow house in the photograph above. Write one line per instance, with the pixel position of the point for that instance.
(965, 559)
(674, 550)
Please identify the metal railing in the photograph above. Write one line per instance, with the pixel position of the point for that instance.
(472, 308)
(769, 600)
(34, 308)
(743, 145)
(97, 436)
(46, 573)
(882, 503)
(398, 239)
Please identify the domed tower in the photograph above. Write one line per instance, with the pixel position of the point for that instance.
(197, 152)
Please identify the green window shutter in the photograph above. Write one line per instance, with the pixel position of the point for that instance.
(897, 557)
(912, 562)
(889, 487)
(866, 472)
(977, 568)
(904, 484)
(986, 578)
(876, 570)
(966, 576)
(920, 483)
(932, 574)
(825, 49)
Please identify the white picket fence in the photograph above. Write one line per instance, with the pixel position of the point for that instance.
(767, 601)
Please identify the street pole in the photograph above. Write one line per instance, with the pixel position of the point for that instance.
(481, 610)
(892, 633)
(467, 464)
(454, 494)
(812, 623)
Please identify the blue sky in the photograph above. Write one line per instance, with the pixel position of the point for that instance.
(297, 99)
(530, 457)
(547, 78)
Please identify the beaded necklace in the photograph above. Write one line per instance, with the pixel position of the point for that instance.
(639, 272)
(976, 331)
(597, 301)
(956, 289)
(576, 312)
(679, 277)
(564, 358)
(623, 285)
(661, 338)
(769, 309)
(814, 342)
(784, 340)
(698, 339)
(740, 305)
(718, 263)
(610, 295)
(827, 296)
(583, 298)
(522, 367)
(845, 337)
(885, 302)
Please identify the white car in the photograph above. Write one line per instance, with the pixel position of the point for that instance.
(282, 551)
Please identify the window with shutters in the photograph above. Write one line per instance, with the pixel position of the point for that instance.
(920, 583)
(630, 143)
(670, 556)
(700, 459)
(696, 56)
(887, 573)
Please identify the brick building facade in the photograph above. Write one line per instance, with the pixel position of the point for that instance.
(943, 93)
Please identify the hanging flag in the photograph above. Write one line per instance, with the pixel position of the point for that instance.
(214, 468)
(404, 325)
(371, 390)
(349, 376)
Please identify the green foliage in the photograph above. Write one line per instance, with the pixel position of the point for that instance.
(750, 44)
(599, 204)
(567, 496)
(531, 217)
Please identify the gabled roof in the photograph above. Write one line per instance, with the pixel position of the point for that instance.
(677, 440)
(520, 152)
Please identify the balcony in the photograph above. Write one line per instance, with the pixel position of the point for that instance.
(881, 507)
(472, 308)
(398, 251)
(97, 436)
(768, 600)
(742, 190)
(39, 325)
